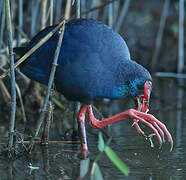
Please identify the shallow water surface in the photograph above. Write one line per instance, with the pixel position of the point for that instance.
(61, 161)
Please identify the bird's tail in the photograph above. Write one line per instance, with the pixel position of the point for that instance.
(20, 51)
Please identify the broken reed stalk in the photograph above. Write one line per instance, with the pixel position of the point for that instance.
(2, 24)
(110, 15)
(43, 14)
(5, 93)
(180, 65)
(56, 102)
(7, 97)
(50, 82)
(39, 44)
(122, 15)
(97, 7)
(12, 75)
(45, 135)
(67, 10)
(21, 102)
(20, 19)
(160, 30)
(78, 9)
(51, 12)
(49, 142)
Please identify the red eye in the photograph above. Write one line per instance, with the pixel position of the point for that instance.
(140, 87)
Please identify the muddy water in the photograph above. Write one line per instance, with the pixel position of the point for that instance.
(61, 161)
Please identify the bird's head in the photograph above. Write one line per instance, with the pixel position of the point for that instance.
(138, 83)
(142, 100)
(141, 92)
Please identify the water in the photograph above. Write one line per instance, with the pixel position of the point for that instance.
(61, 161)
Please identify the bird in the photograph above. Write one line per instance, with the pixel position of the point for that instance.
(94, 62)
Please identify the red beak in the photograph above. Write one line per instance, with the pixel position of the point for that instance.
(143, 100)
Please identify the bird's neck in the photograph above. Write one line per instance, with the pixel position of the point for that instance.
(120, 91)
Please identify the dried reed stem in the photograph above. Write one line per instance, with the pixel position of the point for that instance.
(5, 93)
(2, 24)
(45, 135)
(160, 30)
(122, 15)
(110, 14)
(67, 9)
(20, 16)
(171, 75)
(43, 14)
(51, 79)
(12, 75)
(78, 9)
(51, 11)
(21, 102)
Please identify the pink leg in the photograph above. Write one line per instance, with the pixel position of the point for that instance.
(82, 130)
(145, 118)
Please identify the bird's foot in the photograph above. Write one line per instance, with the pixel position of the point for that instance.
(158, 127)
(93, 124)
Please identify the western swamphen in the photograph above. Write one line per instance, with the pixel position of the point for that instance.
(94, 62)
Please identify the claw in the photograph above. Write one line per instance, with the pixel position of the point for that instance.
(152, 127)
(160, 131)
(171, 145)
(138, 129)
(159, 125)
(169, 137)
(150, 139)
(135, 122)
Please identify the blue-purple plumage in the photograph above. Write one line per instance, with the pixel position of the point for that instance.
(94, 62)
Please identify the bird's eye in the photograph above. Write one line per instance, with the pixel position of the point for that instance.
(140, 87)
